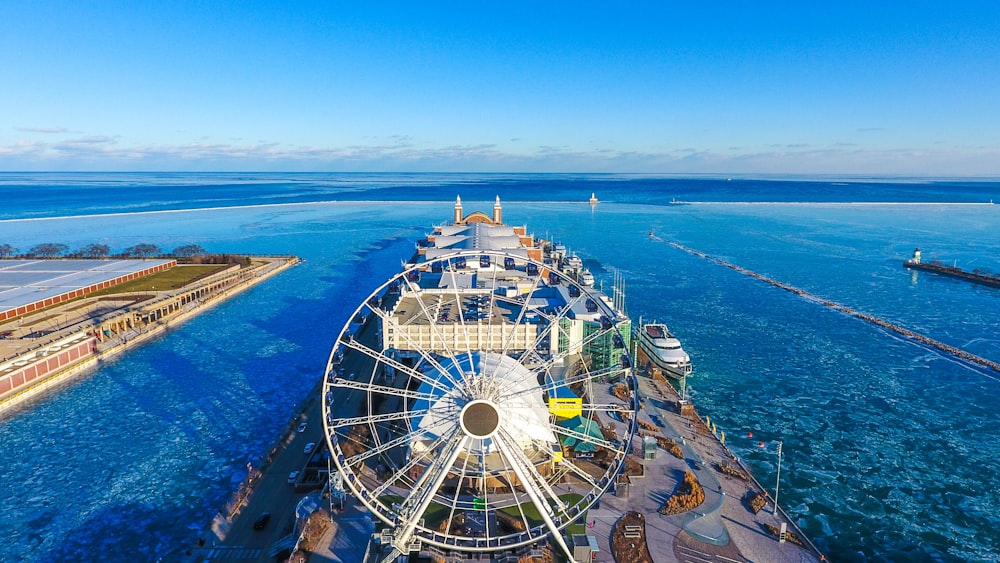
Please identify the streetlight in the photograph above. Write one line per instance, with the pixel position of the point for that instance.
(777, 481)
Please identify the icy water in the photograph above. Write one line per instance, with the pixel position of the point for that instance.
(891, 448)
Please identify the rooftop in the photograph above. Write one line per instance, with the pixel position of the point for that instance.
(28, 281)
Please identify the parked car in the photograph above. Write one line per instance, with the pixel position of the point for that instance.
(293, 476)
(309, 447)
(261, 521)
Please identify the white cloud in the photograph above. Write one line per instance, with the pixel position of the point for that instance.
(41, 129)
(401, 153)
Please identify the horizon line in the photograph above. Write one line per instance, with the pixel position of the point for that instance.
(777, 176)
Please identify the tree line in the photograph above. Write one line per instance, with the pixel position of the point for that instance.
(191, 253)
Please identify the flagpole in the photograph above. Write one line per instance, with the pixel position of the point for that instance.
(777, 483)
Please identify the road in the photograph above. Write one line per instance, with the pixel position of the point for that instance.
(272, 493)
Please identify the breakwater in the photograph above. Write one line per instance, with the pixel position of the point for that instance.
(916, 337)
(988, 280)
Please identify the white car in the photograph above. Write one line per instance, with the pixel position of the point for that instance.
(302, 427)
(309, 448)
(293, 476)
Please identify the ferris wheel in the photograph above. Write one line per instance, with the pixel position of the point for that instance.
(480, 401)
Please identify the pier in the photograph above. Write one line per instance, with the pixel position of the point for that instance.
(916, 337)
(43, 348)
(935, 267)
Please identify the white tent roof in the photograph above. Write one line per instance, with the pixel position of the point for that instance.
(522, 411)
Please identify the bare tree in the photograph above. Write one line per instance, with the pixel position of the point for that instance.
(48, 250)
(188, 250)
(95, 251)
(142, 250)
(6, 251)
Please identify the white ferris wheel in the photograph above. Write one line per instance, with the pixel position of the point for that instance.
(483, 408)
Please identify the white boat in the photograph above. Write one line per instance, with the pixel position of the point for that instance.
(586, 278)
(664, 350)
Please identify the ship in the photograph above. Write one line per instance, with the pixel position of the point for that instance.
(494, 412)
(975, 276)
(663, 349)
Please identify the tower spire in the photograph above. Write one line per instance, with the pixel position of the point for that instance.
(497, 212)
(458, 210)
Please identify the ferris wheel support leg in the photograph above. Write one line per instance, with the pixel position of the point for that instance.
(540, 504)
(426, 486)
(392, 557)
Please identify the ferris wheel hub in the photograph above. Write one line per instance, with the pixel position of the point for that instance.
(480, 419)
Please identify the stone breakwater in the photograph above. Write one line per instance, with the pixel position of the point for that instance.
(917, 337)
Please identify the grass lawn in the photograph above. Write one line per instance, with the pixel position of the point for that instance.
(436, 513)
(174, 278)
(433, 516)
(535, 519)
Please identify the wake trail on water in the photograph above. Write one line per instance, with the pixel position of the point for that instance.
(957, 353)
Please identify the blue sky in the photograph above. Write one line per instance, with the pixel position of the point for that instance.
(870, 88)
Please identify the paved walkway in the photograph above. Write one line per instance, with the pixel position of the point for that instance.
(347, 539)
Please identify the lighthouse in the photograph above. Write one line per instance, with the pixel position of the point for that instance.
(458, 210)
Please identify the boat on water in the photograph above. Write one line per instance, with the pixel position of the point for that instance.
(664, 350)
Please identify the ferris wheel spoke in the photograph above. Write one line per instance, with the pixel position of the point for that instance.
(376, 418)
(579, 472)
(602, 407)
(458, 491)
(559, 356)
(520, 509)
(524, 474)
(492, 312)
(461, 314)
(519, 320)
(423, 491)
(533, 473)
(414, 373)
(385, 446)
(424, 354)
(550, 384)
(545, 365)
(385, 390)
(402, 472)
(489, 322)
(586, 438)
(432, 322)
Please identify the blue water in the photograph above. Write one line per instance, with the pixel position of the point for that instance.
(891, 448)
